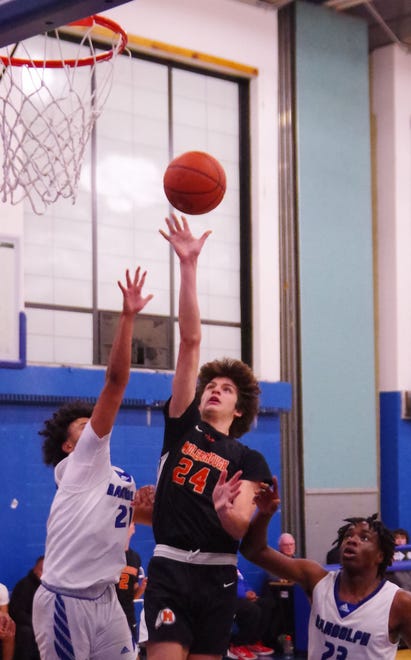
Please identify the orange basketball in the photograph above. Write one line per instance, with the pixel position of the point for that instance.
(194, 182)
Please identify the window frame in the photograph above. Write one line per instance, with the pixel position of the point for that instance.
(245, 324)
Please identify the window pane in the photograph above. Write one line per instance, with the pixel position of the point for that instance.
(133, 137)
(59, 337)
(130, 166)
(217, 342)
(221, 341)
(58, 254)
(205, 118)
(58, 246)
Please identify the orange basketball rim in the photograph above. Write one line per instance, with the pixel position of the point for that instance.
(88, 22)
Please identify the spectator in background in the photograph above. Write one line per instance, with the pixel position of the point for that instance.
(401, 537)
(286, 544)
(279, 592)
(252, 622)
(7, 626)
(128, 587)
(21, 609)
(401, 578)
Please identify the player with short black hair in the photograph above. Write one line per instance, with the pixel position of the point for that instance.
(56, 445)
(76, 612)
(356, 614)
(385, 538)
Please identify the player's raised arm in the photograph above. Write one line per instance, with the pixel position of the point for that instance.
(256, 549)
(187, 248)
(118, 370)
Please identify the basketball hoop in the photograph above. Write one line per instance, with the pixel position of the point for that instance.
(46, 119)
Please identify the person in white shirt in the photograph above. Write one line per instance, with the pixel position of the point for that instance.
(401, 537)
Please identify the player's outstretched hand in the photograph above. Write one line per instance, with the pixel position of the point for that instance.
(225, 491)
(267, 498)
(185, 245)
(143, 504)
(144, 497)
(133, 299)
(7, 626)
(140, 589)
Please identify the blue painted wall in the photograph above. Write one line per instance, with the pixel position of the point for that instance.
(395, 440)
(29, 396)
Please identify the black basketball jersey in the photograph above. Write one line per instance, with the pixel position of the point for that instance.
(193, 456)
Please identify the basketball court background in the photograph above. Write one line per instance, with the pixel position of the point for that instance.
(348, 314)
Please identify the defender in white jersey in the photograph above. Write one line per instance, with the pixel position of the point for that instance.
(76, 612)
(356, 614)
(339, 629)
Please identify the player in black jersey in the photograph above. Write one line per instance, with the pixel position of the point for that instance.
(192, 578)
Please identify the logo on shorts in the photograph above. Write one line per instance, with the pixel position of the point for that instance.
(165, 617)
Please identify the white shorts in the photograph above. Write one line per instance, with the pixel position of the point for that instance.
(69, 628)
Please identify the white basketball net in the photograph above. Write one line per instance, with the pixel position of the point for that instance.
(47, 115)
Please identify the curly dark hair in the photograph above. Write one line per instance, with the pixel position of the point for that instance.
(247, 386)
(385, 538)
(55, 429)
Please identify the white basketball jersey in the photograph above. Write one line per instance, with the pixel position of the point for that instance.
(89, 519)
(360, 635)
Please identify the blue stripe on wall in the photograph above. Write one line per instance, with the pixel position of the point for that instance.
(29, 396)
(395, 441)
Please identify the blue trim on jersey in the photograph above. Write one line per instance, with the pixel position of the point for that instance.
(345, 608)
(62, 642)
(122, 474)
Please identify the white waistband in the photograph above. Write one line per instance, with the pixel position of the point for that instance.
(90, 593)
(194, 556)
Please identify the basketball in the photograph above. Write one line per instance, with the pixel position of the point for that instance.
(194, 182)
